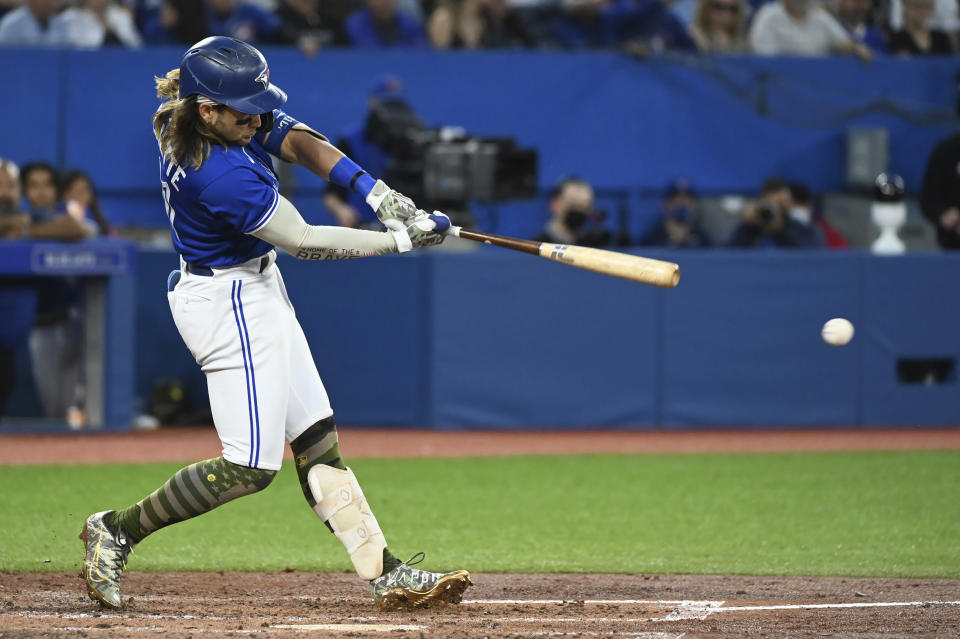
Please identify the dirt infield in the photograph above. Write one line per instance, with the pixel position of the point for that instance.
(192, 444)
(294, 604)
(338, 605)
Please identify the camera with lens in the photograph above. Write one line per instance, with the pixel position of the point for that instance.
(446, 167)
(767, 213)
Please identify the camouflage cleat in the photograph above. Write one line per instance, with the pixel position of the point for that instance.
(107, 551)
(406, 587)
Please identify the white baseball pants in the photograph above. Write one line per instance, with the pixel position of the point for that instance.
(263, 384)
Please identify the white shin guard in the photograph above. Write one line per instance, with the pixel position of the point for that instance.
(341, 504)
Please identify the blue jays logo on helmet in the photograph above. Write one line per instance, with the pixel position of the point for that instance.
(230, 72)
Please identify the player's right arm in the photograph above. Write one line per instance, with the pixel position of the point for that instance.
(296, 142)
(242, 199)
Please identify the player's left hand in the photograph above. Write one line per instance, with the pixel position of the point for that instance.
(427, 229)
(393, 209)
(441, 223)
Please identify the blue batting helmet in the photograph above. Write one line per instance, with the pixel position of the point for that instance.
(230, 72)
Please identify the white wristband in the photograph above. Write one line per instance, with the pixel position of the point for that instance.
(377, 195)
(403, 241)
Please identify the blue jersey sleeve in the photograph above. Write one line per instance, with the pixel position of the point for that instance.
(242, 198)
(272, 139)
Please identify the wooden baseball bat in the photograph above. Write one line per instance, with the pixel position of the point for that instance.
(630, 267)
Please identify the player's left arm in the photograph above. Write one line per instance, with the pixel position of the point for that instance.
(286, 228)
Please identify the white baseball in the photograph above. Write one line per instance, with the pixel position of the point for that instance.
(837, 332)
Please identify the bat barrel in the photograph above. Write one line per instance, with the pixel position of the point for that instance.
(630, 267)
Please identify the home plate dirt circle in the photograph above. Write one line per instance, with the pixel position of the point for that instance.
(296, 604)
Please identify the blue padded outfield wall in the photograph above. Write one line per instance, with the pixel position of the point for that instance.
(621, 122)
(500, 339)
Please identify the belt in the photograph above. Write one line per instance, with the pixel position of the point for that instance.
(206, 271)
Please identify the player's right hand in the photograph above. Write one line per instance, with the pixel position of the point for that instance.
(393, 209)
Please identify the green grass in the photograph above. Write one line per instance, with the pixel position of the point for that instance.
(863, 514)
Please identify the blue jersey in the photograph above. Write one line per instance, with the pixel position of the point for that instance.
(213, 209)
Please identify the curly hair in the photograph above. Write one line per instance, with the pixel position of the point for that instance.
(183, 135)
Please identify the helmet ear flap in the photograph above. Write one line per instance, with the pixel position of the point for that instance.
(266, 121)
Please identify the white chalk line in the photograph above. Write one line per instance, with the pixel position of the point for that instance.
(660, 602)
(865, 604)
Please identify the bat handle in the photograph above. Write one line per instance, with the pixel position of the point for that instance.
(453, 230)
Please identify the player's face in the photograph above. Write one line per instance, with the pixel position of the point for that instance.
(233, 126)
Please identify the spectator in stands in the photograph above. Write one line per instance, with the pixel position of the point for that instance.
(946, 17)
(803, 210)
(679, 225)
(97, 23)
(650, 26)
(767, 222)
(720, 26)
(340, 10)
(57, 336)
(940, 193)
(241, 20)
(586, 24)
(573, 219)
(34, 24)
(8, 5)
(855, 17)
(916, 37)
(38, 181)
(305, 24)
(538, 16)
(173, 22)
(78, 197)
(801, 28)
(641, 26)
(381, 24)
(473, 24)
(18, 298)
(14, 222)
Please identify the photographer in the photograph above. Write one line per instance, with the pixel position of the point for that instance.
(440, 168)
(573, 219)
(940, 193)
(768, 222)
(679, 225)
(365, 143)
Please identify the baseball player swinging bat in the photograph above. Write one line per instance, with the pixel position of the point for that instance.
(630, 267)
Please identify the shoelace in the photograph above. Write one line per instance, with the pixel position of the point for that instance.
(419, 557)
(120, 559)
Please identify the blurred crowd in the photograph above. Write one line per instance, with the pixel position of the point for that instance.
(862, 28)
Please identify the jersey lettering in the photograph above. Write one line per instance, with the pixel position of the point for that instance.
(171, 212)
